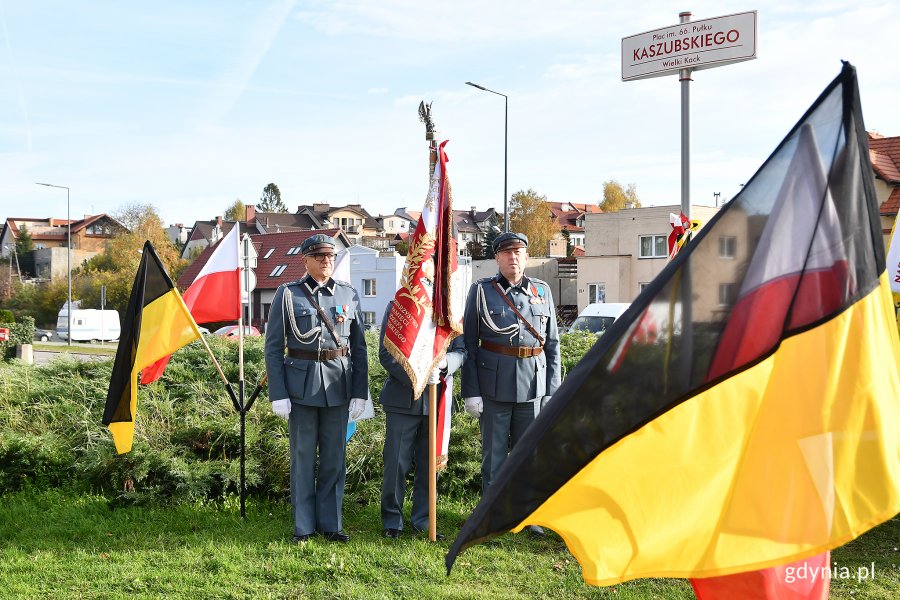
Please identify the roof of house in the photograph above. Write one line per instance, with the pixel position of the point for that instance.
(885, 155)
(567, 214)
(268, 222)
(468, 220)
(53, 229)
(202, 230)
(273, 251)
(324, 211)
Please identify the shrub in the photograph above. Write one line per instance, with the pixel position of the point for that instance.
(21, 332)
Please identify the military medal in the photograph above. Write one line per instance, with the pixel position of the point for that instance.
(541, 294)
(341, 309)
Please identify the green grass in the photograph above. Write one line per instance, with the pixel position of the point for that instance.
(56, 544)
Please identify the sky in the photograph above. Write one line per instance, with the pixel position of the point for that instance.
(189, 106)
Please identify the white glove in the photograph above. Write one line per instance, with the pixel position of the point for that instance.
(443, 364)
(544, 401)
(474, 406)
(282, 408)
(357, 406)
(435, 377)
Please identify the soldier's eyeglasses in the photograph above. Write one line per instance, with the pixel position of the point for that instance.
(323, 257)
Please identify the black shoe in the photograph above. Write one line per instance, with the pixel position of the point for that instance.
(299, 539)
(336, 536)
(391, 533)
(536, 531)
(438, 535)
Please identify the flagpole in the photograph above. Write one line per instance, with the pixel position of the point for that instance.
(425, 116)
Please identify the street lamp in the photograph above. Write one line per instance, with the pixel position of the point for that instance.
(505, 146)
(68, 257)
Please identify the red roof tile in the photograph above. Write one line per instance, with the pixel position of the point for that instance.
(891, 206)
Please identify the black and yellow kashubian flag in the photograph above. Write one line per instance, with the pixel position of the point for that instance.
(156, 324)
(743, 413)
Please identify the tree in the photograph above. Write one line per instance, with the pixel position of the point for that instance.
(491, 234)
(615, 196)
(529, 213)
(25, 251)
(401, 248)
(475, 249)
(236, 212)
(570, 247)
(270, 201)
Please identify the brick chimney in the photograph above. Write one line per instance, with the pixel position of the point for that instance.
(250, 212)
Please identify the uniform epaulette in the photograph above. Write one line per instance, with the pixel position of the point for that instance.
(536, 280)
(344, 283)
(486, 279)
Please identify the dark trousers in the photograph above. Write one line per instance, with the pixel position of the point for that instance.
(502, 426)
(317, 486)
(405, 443)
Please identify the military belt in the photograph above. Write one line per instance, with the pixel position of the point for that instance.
(319, 355)
(517, 351)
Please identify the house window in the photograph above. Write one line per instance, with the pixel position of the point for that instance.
(653, 246)
(727, 294)
(368, 287)
(727, 246)
(269, 253)
(368, 317)
(596, 292)
(277, 271)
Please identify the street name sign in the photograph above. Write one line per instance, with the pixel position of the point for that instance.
(691, 45)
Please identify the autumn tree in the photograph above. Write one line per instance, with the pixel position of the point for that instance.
(270, 201)
(615, 196)
(117, 267)
(236, 212)
(529, 213)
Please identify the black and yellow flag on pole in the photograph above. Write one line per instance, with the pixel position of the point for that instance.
(743, 413)
(156, 324)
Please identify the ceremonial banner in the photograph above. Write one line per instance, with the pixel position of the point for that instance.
(734, 439)
(427, 311)
(156, 324)
(215, 294)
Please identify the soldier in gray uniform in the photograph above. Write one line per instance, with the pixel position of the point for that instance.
(406, 437)
(318, 372)
(513, 364)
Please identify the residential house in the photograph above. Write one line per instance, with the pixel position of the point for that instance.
(625, 250)
(179, 234)
(472, 226)
(570, 216)
(885, 155)
(396, 223)
(352, 219)
(89, 236)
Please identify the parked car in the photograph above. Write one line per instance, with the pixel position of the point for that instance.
(43, 335)
(597, 317)
(232, 331)
(203, 330)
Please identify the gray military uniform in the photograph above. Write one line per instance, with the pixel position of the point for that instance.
(320, 393)
(511, 387)
(406, 436)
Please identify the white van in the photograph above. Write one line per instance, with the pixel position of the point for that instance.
(89, 324)
(598, 317)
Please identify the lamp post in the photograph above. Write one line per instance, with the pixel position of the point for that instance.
(68, 257)
(505, 146)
